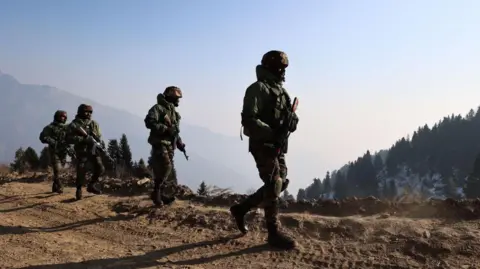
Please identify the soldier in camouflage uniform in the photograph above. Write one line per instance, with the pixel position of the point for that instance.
(266, 105)
(54, 135)
(84, 146)
(164, 123)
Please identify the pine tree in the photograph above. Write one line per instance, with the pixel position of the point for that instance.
(114, 152)
(368, 175)
(202, 189)
(125, 152)
(19, 164)
(392, 189)
(378, 163)
(340, 186)
(315, 190)
(450, 188)
(150, 160)
(385, 190)
(141, 169)
(327, 187)
(301, 195)
(472, 187)
(44, 160)
(287, 196)
(113, 149)
(31, 158)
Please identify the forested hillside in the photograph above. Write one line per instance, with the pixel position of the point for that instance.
(433, 162)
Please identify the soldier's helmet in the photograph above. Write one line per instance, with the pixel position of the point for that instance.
(59, 114)
(173, 92)
(275, 59)
(84, 108)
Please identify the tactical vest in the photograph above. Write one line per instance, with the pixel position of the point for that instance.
(161, 138)
(58, 131)
(88, 127)
(277, 108)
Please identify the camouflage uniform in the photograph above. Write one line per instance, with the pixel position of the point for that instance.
(54, 135)
(266, 106)
(164, 123)
(83, 149)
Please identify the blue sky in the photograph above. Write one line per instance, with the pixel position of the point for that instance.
(366, 72)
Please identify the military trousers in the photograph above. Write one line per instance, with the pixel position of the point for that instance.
(56, 163)
(164, 172)
(83, 160)
(272, 170)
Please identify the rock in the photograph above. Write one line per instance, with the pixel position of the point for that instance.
(426, 234)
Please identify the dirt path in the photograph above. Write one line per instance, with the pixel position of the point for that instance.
(41, 230)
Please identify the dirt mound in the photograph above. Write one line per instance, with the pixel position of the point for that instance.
(422, 240)
(122, 187)
(449, 208)
(39, 229)
(369, 206)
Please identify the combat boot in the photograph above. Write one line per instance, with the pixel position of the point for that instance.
(57, 187)
(167, 200)
(238, 212)
(54, 187)
(92, 188)
(78, 193)
(156, 198)
(276, 239)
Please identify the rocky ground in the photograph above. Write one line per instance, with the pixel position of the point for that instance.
(120, 229)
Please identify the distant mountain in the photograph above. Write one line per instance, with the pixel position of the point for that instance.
(25, 109)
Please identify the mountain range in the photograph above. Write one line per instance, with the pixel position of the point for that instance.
(217, 159)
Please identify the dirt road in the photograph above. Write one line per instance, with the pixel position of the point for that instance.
(43, 230)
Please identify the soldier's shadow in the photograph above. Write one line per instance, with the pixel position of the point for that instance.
(151, 259)
(68, 226)
(73, 200)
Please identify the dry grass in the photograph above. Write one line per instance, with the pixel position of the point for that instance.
(4, 169)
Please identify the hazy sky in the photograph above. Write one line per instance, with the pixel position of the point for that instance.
(366, 72)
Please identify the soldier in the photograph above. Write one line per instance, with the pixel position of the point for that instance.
(266, 106)
(54, 135)
(84, 148)
(164, 123)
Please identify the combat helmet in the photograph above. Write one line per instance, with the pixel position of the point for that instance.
(173, 92)
(84, 108)
(275, 59)
(58, 114)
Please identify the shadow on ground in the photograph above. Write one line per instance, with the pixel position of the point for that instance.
(154, 258)
(26, 230)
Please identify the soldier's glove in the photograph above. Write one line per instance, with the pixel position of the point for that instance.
(52, 144)
(292, 126)
(171, 130)
(90, 140)
(181, 146)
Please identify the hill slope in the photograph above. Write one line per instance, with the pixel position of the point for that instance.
(435, 161)
(26, 109)
(41, 230)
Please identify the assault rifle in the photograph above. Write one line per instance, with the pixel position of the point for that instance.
(176, 138)
(63, 146)
(96, 143)
(71, 152)
(284, 138)
(286, 134)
